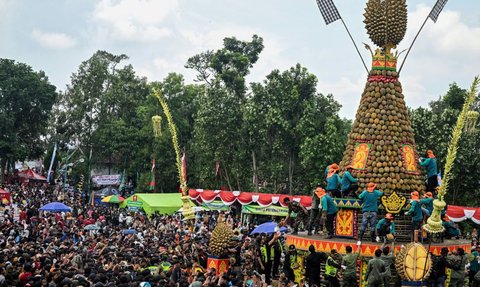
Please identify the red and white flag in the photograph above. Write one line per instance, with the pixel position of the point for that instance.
(184, 165)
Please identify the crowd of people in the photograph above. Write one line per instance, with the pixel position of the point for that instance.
(103, 245)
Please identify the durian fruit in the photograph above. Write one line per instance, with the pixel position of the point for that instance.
(220, 240)
(413, 263)
(382, 120)
(386, 21)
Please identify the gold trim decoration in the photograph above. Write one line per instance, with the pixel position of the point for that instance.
(393, 203)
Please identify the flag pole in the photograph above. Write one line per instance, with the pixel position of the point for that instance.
(356, 48)
(411, 45)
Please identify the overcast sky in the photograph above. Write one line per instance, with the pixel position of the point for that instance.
(159, 36)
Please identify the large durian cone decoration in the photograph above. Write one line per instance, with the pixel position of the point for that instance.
(381, 145)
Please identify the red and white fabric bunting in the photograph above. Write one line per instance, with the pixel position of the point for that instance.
(245, 198)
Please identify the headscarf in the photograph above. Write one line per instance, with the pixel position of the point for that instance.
(389, 216)
(429, 194)
(415, 196)
(371, 187)
(332, 169)
(430, 154)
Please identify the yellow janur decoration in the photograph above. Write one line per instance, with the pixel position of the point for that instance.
(188, 212)
(434, 222)
(157, 126)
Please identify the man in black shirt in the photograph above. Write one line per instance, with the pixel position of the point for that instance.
(312, 266)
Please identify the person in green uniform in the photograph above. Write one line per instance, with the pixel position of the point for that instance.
(329, 212)
(349, 266)
(375, 269)
(416, 213)
(388, 258)
(459, 259)
(430, 164)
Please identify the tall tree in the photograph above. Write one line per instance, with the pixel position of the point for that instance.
(218, 132)
(26, 100)
(99, 110)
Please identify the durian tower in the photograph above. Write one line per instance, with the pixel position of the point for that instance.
(381, 145)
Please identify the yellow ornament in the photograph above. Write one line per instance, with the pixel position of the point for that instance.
(157, 126)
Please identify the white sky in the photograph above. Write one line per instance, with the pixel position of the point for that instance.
(159, 35)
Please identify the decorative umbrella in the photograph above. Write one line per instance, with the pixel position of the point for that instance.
(91, 227)
(113, 199)
(55, 207)
(269, 227)
(129, 231)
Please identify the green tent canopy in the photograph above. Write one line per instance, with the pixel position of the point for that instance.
(164, 203)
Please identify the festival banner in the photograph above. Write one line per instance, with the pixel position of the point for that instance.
(267, 210)
(111, 179)
(215, 205)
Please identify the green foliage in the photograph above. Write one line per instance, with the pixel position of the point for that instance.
(26, 100)
(433, 129)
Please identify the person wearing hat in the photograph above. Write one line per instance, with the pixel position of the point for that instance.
(451, 228)
(297, 212)
(334, 181)
(385, 228)
(416, 213)
(427, 202)
(329, 212)
(349, 183)
(314, 221)
(369, 199)
(290, 263)
(430, 164)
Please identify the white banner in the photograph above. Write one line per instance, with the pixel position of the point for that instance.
(111, 179)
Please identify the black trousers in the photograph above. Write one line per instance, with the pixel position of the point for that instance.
(314, 221)
(329, 223)
(350, 191)
(432, 183)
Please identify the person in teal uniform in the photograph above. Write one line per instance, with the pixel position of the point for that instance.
(334, 182)
(427, 203)
(329, 211)
(369, 199)
(430, 164)
(349, 183)
(416, 213)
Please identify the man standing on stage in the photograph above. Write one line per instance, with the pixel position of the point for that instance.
(297, 212)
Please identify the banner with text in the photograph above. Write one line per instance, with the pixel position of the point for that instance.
(268, 210)
(111, 179)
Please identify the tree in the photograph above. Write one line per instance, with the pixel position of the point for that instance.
(99, 111)
(26, 100)
(219, 132)
(433, 129)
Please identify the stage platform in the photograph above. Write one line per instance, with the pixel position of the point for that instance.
(302, 241)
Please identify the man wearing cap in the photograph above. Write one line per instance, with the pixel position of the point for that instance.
(329, 211)
(385, 228)
(314, 221)
(430, 164)
(369, 198)
(427, 202)
(416, 213)
(349, 183)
